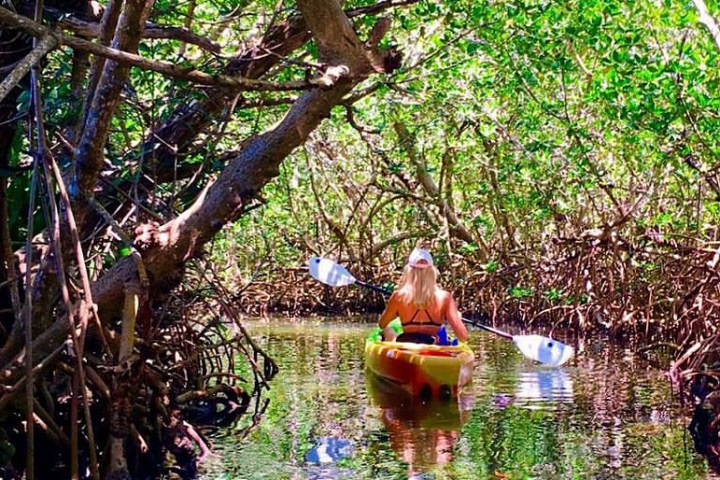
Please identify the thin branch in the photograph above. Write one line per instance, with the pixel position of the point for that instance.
(707, 20)
(378, 7)
(350, 117)
(190, 74)
(92, 30)
(30, 62)
(42, 156)
(377, 248)
(181, 34)
(188, 22)
(46, 44)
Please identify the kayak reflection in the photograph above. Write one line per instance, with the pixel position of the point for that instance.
(422, 432)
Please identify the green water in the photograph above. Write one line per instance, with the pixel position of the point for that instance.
(607, 415)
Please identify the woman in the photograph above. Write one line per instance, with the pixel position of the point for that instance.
(422, 306)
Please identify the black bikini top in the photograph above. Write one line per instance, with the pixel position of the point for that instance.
(431, 322)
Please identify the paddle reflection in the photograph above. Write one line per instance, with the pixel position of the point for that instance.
(422, 433)
(543, 386)
(538, 389)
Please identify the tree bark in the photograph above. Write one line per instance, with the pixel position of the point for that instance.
(89, 150)
(166, 248)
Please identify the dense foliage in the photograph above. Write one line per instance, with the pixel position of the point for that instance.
(561, 155)
(560, 159)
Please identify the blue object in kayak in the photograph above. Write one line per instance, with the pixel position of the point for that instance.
(443, 337)
(329, 450)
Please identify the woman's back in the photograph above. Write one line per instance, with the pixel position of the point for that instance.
(432, 315)
(422, 306)
(428, 319)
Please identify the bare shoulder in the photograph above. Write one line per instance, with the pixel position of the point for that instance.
(443, 295)
(445, 298)
(395, 298)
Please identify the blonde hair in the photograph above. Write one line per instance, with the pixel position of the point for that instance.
(418, 285)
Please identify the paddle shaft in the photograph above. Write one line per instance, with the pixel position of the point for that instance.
(385, 291)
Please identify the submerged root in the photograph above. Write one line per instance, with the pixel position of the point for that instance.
(179, 378)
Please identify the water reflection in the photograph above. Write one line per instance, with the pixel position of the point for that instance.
(541, 387)
(537, 388)
(422, 433)
(607, 415)
(329, 450)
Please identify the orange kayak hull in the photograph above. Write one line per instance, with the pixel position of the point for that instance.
(422, 370)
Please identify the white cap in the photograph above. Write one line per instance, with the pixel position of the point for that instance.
(420, 258)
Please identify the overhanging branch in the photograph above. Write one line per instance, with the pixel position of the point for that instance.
(189, 74)
(151, 31)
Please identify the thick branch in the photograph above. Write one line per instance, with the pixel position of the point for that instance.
(336, 39)
(89, 151)
(169, 246)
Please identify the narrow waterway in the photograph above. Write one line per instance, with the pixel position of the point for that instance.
(607, 415)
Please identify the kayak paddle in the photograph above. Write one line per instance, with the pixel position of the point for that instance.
(535, 347)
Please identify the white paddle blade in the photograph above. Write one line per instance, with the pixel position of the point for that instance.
(543, 349)
(329, 272)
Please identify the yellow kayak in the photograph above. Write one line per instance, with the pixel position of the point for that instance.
(423, 370)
